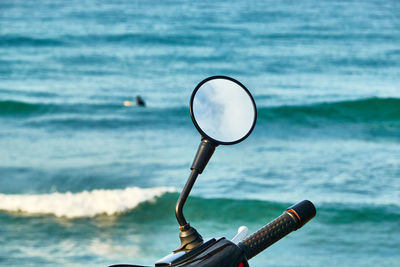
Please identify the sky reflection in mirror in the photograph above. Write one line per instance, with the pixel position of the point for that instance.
(223, 110)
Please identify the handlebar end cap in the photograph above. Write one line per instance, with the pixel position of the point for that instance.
(304, 211)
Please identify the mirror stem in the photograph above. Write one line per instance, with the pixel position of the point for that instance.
(182, 198)
(190, 238)
(203, 155)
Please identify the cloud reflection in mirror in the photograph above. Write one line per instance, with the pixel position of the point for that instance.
(223, 110)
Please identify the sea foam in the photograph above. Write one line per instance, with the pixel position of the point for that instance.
(82, 204)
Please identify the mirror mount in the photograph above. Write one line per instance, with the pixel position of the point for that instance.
(190, 239)
(205, 151)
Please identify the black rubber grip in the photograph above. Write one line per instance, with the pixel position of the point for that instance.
(292, 219)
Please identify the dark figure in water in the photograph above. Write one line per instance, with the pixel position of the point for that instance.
(140, 101)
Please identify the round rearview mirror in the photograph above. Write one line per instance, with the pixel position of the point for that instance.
(223, 110)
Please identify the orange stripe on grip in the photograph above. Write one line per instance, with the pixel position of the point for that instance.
(295, 214)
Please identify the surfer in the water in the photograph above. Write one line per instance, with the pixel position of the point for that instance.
(140, 101)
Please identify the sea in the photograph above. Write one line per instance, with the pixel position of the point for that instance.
(86, 179)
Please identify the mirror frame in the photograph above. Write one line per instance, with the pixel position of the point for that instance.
(203, 134)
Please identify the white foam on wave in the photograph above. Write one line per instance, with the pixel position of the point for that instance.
(82, 204)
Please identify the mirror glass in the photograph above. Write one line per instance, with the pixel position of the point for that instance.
(223, 110)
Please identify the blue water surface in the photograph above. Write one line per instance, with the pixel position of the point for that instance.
(326, 79)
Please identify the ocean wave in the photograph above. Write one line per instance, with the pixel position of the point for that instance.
(367, 109)
(14, 108)
(369, 117)
(18, 40)
(124, 38)
(359, 110)
(176, 39)
(149, 204)
(21, 108)
(83, 204)
(251, 210)
(360, 119)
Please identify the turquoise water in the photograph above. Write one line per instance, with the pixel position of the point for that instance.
(88, 181)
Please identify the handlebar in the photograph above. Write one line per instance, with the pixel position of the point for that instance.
(292, 219)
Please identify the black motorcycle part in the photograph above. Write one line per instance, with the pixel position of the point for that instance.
(292, 219)
(205, 151)
(304, 211)
(126, 265)
(190, 239)
(223, 253)
(181, 257)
